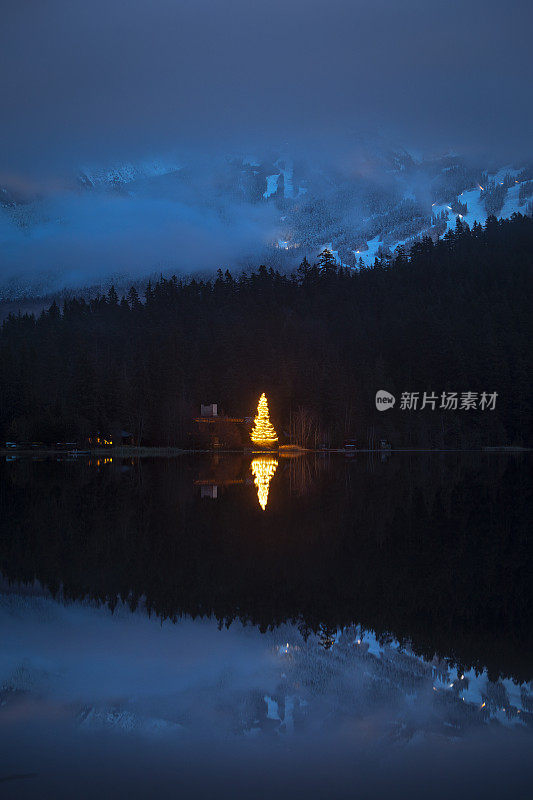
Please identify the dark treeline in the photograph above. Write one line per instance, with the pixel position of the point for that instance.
(433, 550)
(450, 316)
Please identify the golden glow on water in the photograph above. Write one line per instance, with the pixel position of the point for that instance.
(263, 469)
(263, 433)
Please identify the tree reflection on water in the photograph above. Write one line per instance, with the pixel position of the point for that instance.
(263, 469)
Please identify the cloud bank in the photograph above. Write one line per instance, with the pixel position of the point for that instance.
(115, 79)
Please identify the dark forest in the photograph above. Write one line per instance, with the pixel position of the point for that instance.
(447, 316)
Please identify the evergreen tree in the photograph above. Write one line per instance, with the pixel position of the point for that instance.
(326, 262)
(133, 299)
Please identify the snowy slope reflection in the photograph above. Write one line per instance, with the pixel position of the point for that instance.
(82, 673)
(123, 670)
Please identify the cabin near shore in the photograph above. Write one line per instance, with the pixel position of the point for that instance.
(219, 430)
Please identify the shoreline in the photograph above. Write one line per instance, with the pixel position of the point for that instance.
(172, 452)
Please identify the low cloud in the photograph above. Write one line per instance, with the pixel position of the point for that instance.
(85, 237)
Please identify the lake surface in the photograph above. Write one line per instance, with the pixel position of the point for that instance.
(266, 624)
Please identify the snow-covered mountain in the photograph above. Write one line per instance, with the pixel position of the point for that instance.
(124, 221)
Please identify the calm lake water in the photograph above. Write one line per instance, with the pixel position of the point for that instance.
(242, 625)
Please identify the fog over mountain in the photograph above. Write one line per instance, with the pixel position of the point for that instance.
(166, 137)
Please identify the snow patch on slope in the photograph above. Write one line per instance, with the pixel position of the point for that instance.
(368, 256)
(272, 185)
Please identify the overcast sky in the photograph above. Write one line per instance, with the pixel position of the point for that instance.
(119, 78)
(106, 81)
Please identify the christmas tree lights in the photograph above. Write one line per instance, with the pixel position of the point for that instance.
(263, 469)
(263, 433)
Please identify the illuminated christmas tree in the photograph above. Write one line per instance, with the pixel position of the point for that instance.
(263, 469)
(263, 433)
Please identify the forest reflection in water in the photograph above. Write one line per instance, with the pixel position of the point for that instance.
(430, 549)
